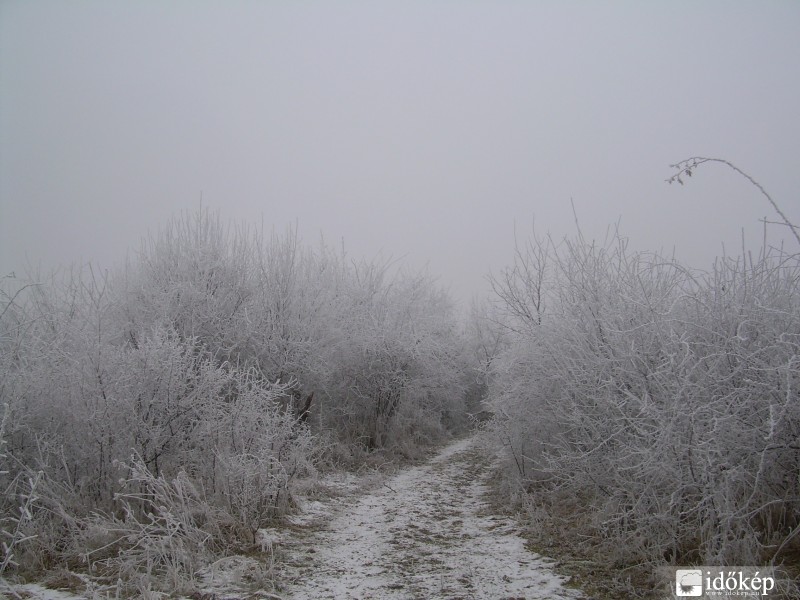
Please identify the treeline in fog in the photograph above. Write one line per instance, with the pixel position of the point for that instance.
(156, 417)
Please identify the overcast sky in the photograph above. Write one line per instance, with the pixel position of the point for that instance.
(423, 130)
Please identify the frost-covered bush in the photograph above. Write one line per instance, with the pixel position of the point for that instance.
(93, 372)
(174, 406)
(661, 404)
(193, 386)
(398, 375)
(360, 336)
(258, 450)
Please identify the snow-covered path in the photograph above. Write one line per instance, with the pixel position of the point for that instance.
(426, 533)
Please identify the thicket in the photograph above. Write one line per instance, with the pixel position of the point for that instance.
(649, 410)
(156, 417)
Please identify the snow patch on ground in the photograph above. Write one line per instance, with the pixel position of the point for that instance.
(33, 591)
(427, 533)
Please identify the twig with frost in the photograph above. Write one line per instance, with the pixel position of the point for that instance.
(688, 165)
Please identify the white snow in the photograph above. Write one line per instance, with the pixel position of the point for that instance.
(33, 591)
(427, 533)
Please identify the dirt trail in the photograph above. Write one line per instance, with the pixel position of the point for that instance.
(426, 533)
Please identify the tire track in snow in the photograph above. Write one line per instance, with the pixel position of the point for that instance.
(427, 533)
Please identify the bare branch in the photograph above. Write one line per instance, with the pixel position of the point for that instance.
(688, 165)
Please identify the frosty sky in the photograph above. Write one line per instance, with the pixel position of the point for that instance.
(422, 130)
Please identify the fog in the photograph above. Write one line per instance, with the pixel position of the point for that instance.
(424, 131)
